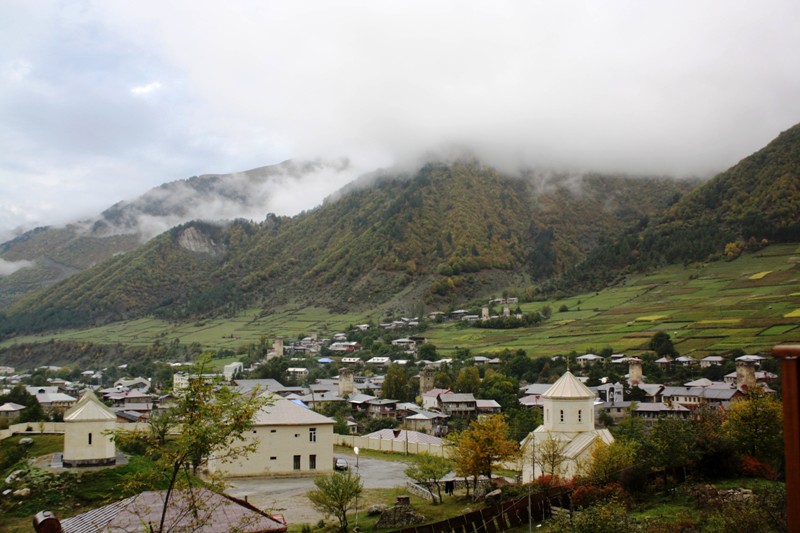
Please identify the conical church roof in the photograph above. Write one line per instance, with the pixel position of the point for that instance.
(89, 408)
(568, 387)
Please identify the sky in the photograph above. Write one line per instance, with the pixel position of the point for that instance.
(102, 100)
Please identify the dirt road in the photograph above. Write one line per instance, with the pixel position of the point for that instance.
(287, 495)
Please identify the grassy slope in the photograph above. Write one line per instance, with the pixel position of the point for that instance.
(706, 308)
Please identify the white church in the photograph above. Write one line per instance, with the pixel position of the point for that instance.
(562, 445)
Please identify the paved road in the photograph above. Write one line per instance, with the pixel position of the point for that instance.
(287, 495)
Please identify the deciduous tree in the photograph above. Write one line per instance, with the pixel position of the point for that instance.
(482, 446)
(429, 469)
(206, 418)
(335, 495)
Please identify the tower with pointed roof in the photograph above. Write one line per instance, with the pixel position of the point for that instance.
(568, 431)
(87, 441)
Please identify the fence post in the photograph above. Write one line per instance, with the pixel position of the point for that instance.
(790, 371)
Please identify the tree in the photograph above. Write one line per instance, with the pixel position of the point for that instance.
(468, 380)
(335, 493)
(631, 428)
(670, 443)
(428, 469)
(610, 460)
(549, 455)
(755, 425)
(33, 411)
(206, 418)
(481, 446)
(502, 389)
(395, 384)
(662, 345)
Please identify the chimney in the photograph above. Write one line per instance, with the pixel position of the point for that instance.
(46, 522)
(745, 374)
(634, 371)
(345, 382)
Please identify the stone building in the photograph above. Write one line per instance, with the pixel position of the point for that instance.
(87, 441)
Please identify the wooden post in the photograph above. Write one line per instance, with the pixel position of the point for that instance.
(790, 370)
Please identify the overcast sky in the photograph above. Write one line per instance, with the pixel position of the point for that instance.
(102, 100)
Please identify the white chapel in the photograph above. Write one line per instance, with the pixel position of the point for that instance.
(87, 438)
(562, 445)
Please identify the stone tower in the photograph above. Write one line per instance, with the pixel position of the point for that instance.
(484, 313)
(745, 374)
(277, 346)
(634, 371)
(426, 379)
(345, 382)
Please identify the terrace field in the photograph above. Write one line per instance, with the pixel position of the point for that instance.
(751, 303)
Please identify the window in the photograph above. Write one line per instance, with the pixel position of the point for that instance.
(297, 462)
(579, 416)
(90, 439)
(562, 415)
(312, 434)
(273, 430)
(312, 462)
(273, 458)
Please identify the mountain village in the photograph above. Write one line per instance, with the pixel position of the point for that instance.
(292, 435)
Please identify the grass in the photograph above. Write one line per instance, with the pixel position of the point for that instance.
(70, 492)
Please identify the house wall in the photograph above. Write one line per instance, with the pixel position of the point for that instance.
(277, 448)
(390, 445)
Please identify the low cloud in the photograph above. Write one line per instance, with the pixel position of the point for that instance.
(9, 267)
(108, 99)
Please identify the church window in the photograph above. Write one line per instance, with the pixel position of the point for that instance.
(90, 439)
(562, 415)
(579, 416)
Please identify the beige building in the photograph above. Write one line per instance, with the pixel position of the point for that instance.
(86, 438)
(292, 441)
(562, 445)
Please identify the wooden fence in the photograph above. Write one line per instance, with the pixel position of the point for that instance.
(534, 508)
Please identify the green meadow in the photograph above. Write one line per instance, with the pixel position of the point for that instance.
(751, 303)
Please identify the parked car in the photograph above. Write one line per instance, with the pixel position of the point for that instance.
(340, 464)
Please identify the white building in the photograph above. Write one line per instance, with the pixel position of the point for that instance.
(568, 431)
(292, 441)
(86, 433)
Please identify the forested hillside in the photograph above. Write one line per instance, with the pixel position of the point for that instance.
(52, 254)
(752, 203)
(442, 234)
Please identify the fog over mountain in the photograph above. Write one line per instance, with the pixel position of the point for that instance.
(101, 101)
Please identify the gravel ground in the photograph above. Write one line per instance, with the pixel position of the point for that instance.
(287, 495)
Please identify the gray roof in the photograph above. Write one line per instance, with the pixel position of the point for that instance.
(219, 512)
(456, 397)
(403, 435)
(285, 412)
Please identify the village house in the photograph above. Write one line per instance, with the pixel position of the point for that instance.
(458, 404)
(51, 400)
(10, 411)
(291, 440)
(430, 398)
(382, 408)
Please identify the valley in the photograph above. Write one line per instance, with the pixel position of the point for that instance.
(747, 304)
